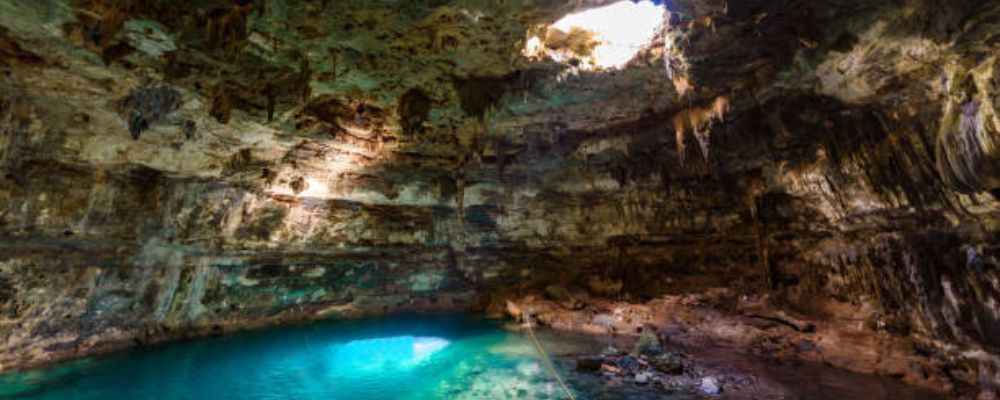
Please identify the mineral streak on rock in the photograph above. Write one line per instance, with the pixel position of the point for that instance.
(364, 157)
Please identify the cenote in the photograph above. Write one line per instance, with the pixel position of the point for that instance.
(390, 199)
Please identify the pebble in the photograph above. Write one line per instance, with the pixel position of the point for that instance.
(710, 385)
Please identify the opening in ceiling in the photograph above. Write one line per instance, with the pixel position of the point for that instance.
(600, 38)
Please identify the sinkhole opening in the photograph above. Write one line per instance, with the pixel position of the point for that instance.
(606, 37)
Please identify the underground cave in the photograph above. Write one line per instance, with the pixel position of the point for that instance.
(499, 199)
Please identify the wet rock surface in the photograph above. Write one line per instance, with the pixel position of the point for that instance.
(669, 371)
(715, 370)
(679, 342)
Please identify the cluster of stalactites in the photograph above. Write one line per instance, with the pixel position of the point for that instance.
(673, 58)
(968, 156)
(700, 121)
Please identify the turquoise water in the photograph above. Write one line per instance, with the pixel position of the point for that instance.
(404, 358)
(421, 357)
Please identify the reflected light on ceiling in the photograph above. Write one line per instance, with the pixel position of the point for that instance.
(315, 189)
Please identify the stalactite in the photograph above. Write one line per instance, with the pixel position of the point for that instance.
(221, 104)
(700, 120)
(226, 27)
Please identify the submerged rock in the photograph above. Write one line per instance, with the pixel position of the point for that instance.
(668, 363)
(628, 363)
(589, 363)
(611, 370)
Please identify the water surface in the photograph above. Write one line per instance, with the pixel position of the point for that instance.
(418, 357)
(398, 358)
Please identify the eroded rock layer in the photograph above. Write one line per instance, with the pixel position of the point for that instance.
(183, 168)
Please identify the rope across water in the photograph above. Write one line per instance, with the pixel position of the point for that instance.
(546, 361)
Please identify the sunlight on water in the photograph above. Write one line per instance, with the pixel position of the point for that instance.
(378, 355)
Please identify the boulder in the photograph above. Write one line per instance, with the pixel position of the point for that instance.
(648, 345)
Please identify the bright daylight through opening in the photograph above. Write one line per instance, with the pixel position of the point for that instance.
(620, 30)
